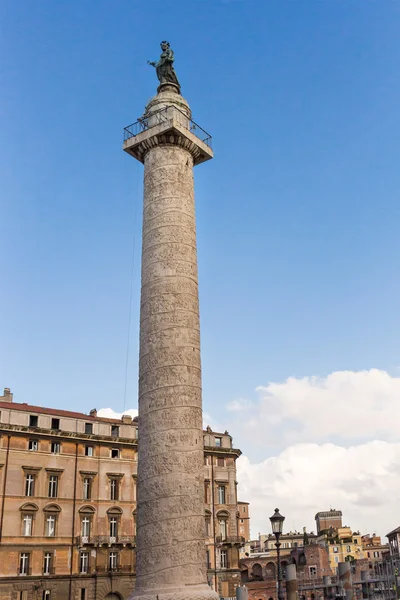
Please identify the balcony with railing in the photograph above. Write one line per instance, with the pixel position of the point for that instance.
(107, 540)
(165, 116)
(232, 540)
(102, 569)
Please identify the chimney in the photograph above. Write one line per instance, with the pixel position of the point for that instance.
(7, 396)
(93, 412)
(127, 419)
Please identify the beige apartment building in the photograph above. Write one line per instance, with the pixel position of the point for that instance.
(221, 512)
(68, 505)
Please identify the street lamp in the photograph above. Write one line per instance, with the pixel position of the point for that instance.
(277, 526)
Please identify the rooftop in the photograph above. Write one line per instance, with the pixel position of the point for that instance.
(397, 530)
(55, 412)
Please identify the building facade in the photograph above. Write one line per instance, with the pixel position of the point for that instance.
(394, 545)
(68, 505)
(328, 519)
(342, 545)
(67, 514)
(244, 520)
(374, 551)
(259, 573)
(221, 513)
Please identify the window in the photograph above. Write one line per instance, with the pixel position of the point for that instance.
(29, 485)
(113, 561)
(84, 562)
(224, 559)
(218, 442)
(206, 488)
(55, 447)
(208, 526)
(221, 494)
(46, 595)
(33, 420)
(53, 486)
(88, 450)
(87, 488)
(114, 453)
(33, 445)
(55, 423)
(113, 527)
(348, 548)
(27, 521)
(89, 428)
(208, 564)
(355, 541)
(50, 526)
(23, 595)
(376, 554)
(114, 430)
(336, 559)
(24, 563)
(313, 571)
(114, 489)
(206, 460)
(85, 529)
(242, 520)
(47, 563)
(222, 529)
(220, 462)
(83, 593)
(335, 549)
(369, 554)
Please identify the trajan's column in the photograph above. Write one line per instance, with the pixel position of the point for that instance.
(171, 558)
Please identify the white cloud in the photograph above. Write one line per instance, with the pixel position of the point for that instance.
(363, 481)
(345, 407)
(312, 443)
(109, 413)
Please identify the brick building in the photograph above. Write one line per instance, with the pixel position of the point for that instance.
(68, 505)
(244, 520)
(259, 573)
(328, 519)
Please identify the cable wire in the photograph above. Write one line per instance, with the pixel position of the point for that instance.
(135, 210)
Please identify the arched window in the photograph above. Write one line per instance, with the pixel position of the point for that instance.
(86, 513)
(28, 511)
(257, 572)
(114, 517)
(51, 517)
(270, 570)
(223, 521)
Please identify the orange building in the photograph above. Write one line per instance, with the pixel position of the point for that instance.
(68, 505)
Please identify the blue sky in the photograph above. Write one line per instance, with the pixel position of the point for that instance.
(298, 213)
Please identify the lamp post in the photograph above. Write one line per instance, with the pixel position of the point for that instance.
(277, 526)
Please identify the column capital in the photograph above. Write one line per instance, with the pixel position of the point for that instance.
(167, 121)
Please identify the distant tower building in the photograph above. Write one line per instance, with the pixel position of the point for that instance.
(328, 519)
(244, 520)
(171, 552)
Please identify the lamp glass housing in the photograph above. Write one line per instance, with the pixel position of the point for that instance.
(277, 522)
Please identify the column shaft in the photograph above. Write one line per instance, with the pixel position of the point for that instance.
(170, 514)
